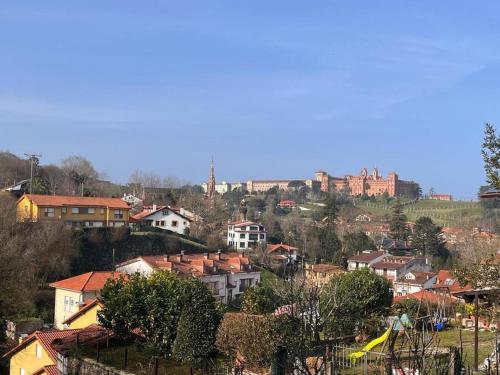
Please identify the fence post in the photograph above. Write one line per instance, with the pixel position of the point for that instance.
(366, 364)
(125, 359)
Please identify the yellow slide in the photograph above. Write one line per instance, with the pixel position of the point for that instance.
(370, 345)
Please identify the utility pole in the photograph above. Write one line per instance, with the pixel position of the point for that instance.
(34, 159)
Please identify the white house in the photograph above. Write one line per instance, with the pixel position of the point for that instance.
(394, 267)
(414, 282)
(365, 259)
(243, 235)
(227, 275)
(163, 217)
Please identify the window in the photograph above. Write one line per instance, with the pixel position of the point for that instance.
(162, 223)
(48, 211)
(165, 212)
(242, 245)
(174, 223)
(118, 214)
(242, 235)
(75, 210)
(254, 228)
(66, 304)
(253, 237)
(157, 223)
(63, 210)
(244, 284)
(262, 236)
(102, 211)
(38, 351)
(91, 210)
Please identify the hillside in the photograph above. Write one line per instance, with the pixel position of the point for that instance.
(454, 213)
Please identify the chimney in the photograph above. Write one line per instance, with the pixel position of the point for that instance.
(218, 254)
(242, 254)
(154, 207)
(205, 255)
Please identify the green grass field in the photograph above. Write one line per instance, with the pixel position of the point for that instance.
(441, 212)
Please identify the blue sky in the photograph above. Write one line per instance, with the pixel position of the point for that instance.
(271, 89)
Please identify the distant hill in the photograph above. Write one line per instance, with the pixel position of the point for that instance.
(453, 213)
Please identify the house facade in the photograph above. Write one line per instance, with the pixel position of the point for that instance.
(364, 259)
(413, 282)
(245, 235)
(74, 211)
(320, 274)
(75, 291)
(394, 267)
(163, 217)
(227, 275)
(282, 253)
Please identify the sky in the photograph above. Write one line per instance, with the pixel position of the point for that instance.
(270, 89)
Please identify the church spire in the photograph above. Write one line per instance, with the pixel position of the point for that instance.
(211, 184)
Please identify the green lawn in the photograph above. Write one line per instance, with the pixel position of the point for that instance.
(441, 212)
(140, 361)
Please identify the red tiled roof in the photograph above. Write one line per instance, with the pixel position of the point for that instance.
(45, 338)
(240, 223)
(199, 264)
(87, 306)
(426, 295)
(49, 370)
(62, 200)
(90, 281)
(326, 268)
(149, 211)
(271, 248)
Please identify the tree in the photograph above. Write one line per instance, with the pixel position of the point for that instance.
(491, 155)
(260, 299)
(296, 184)
(177, 316)
(55, 179)
(330, 210)
(197, 326)
(397, 225)
(80, 171)
(355, 301)
(322, 243)
(427, 238)
(353, 242)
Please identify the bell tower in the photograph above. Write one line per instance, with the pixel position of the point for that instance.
(211, 184)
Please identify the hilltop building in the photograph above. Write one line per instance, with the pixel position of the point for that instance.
(163, 217)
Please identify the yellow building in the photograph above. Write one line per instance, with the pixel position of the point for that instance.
(76, 292)
(36, 355)
(320, 274)
(84, 317)
(74, 211)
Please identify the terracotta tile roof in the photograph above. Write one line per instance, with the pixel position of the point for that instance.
(49, 370)
(426, 295)
(366, 256)
(326, 268)
(198, 264)
(280, 246)
(45, 338)
(240, 223)
(86, 307)
(62, 200)
(90, 281)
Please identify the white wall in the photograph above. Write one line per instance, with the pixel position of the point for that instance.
(169, 218)
(137, 266)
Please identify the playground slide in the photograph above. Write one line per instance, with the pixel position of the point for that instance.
(370, 345)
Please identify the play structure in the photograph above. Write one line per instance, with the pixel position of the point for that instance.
(397, 324)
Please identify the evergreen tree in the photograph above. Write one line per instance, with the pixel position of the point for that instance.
(197, 327)
(427, 238)
(330, 210)
(397, 226)
(491, 155)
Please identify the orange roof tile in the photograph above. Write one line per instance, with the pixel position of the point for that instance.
(90, 281)
(426, 295)
(62, 200)
(49, 370)
(274, 247)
